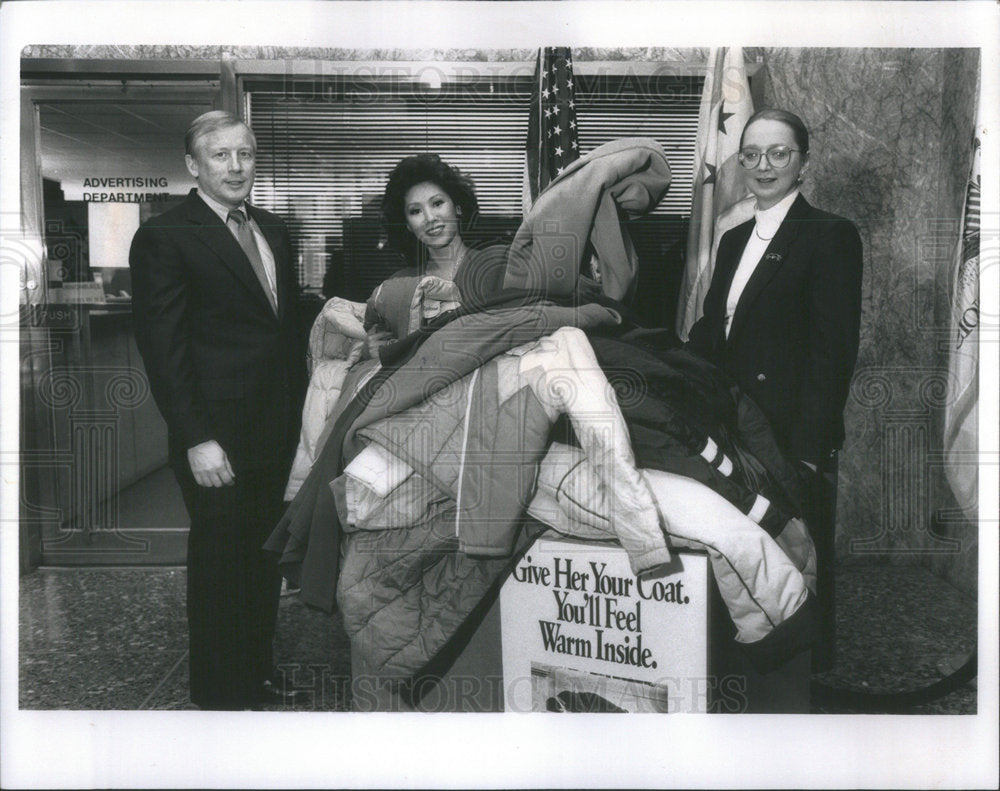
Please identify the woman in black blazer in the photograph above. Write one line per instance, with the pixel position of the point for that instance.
(782, 317)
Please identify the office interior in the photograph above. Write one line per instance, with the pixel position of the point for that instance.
(102, 527)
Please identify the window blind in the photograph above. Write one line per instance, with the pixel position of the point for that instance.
(324, 157)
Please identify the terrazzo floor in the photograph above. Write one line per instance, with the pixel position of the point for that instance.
(115, 638)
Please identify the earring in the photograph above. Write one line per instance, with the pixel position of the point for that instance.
(458, 211)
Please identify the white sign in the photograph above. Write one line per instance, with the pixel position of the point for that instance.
(110, 228)
(582, 633)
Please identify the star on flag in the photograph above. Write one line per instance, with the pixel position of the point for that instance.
(552, 136)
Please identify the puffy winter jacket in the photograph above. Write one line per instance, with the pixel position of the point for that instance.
(765, 582)
(481, 439)
(573, 241)
(336, 342)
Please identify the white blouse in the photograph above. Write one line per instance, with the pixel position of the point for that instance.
(767, 224)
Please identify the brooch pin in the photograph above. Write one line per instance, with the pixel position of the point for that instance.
(773, 257)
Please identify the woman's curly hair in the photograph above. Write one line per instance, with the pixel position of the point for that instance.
(417, 170)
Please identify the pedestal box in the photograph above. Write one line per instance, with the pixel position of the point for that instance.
(574, 630)
(580, 632)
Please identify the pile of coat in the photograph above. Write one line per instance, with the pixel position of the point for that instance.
(422, 475)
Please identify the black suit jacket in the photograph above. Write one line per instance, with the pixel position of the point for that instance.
(794, 337)
(222, 365)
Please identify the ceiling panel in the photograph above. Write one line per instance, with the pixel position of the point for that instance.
(100, 137)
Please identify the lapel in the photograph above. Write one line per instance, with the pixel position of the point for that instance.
(725, 269)
(771, 263)
(211, 231)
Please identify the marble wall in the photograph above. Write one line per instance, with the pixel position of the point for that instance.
(891, 133)
(693, 55)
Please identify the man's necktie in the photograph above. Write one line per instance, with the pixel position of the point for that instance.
(244, 235)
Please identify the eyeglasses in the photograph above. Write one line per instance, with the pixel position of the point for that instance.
(777, 157)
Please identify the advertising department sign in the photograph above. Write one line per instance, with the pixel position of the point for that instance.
(124, 188)
(582, 633)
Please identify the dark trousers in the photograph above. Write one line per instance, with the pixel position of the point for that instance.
(821, 516)
(233, 586)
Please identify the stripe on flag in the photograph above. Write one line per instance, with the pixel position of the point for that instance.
(961, 417)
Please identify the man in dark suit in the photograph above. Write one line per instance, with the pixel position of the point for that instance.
(215, 311)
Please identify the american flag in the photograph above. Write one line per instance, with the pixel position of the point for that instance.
(552, 137)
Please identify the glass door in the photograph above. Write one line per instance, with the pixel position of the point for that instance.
(107, 158)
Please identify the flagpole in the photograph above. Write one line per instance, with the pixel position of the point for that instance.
(534, 133)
